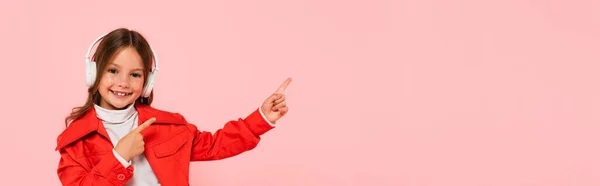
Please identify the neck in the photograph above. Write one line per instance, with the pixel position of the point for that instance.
(115, 116)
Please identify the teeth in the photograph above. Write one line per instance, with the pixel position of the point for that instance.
(120, 93)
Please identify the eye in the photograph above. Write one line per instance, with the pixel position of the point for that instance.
(137, 75)
(112, 70)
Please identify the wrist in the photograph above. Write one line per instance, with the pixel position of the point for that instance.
(123, 155)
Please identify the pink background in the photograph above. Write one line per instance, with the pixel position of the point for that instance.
(405, 92)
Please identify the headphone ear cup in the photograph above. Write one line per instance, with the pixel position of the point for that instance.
(90, 73)
(149, 85)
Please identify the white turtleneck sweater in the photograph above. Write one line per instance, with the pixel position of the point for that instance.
(119, 123)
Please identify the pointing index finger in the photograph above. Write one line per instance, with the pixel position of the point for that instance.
(145, 125)
(284, 86)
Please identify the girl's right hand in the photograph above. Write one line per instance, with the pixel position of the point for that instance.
(132, 144)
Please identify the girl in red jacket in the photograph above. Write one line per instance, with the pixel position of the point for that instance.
(117, 138)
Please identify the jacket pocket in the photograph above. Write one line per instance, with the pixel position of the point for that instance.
(169, 147)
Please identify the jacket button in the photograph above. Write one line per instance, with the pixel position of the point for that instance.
(121, 177)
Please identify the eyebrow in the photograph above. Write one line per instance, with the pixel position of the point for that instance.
(120, 67)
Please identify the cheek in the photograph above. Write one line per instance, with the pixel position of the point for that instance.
(137, 85)
(106, 81)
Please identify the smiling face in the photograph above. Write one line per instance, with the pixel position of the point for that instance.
(122, 81)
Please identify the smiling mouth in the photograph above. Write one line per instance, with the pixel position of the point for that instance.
(120, 94)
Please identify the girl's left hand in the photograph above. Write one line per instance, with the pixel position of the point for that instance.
(275, 107)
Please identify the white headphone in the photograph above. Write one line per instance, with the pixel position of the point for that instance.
(90, 70)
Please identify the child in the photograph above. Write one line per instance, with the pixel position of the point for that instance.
(117, 138)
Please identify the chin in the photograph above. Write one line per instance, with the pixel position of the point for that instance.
(120, 105)
(119, 101)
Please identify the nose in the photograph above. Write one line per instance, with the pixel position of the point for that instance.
(123, 80)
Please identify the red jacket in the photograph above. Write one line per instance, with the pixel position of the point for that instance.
(171, 143)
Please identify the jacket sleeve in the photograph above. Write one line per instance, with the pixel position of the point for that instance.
(109, 171)
(235, 137)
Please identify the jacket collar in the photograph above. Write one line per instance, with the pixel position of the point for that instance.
(89, 123)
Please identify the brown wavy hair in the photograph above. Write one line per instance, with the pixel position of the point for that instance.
(109, 46)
